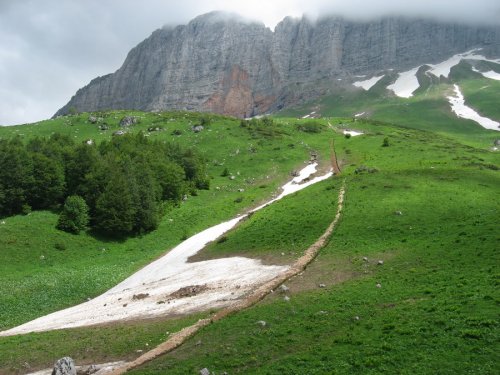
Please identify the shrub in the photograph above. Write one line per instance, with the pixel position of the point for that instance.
(386, 142)
(74, 216)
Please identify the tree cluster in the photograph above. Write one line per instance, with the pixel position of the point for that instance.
(125, 182)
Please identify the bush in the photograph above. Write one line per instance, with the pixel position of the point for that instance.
(386, 142)
(310, 127)
(74, 216)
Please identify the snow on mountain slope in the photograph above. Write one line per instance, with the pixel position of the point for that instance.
(369, 83)
(458, 106)
(407, 82)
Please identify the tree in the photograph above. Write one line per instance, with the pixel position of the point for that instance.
(74, 216)
(48, 186)
(115, 210)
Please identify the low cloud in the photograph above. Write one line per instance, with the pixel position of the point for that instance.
(50, 48)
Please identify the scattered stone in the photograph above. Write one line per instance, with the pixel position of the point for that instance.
(204, 371)
(379, 285)
(92, 119)
(262, 323)
(322, 285)
(295, 173)
(128, 120)
(103, 127)
(42, 257)
(380, 262)
(119, 132)
(283, 288)
(283, 254)
(92, 369)
(496, 142)
(3, 222)
(356, 317)
(286, 298)
(185, 197)
(365, 259)
(197, 128)
(140, 296)
(241, 190)
(64, 366)
(232, 177)
(399, 213)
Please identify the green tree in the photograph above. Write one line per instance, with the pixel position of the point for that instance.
(16, 176)
(115, 210)
(48, 186)
(74, 216)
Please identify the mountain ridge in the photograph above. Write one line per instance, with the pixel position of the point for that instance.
(225, 64)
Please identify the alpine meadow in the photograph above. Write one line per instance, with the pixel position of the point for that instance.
(317, 198)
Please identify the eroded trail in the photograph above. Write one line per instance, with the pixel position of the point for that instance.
(170, 285)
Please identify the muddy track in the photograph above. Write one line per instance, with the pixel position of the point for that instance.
(260, 293)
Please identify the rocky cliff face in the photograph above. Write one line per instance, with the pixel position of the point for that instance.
(223, 64)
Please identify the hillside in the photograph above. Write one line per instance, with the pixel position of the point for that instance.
(425, 206)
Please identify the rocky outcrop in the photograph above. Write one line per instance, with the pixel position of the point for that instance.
(221, 63)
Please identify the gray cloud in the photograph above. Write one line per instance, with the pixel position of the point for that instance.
(50, 48)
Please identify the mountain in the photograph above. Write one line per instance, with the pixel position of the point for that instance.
(225, 64)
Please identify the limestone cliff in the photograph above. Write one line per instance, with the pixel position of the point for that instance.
(224, 64)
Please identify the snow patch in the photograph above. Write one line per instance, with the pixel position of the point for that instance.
(458, 106)
(406, 83)
(170, 285)
(490, 74)
(353, 133)
(369, 83)
(444, 68)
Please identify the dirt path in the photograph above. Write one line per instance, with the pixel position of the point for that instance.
(300, 264)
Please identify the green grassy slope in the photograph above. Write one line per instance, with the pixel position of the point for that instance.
(428, 109)
(436, 308)
(437, 298)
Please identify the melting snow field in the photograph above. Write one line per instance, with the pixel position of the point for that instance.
(458, 106)
(170, 285)
(406, 83)
(369, 83)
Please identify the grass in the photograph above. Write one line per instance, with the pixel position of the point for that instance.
(437, 300)
(437, 308)
(280, 233)
(101, 344)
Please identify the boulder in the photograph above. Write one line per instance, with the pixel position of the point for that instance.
(64, 366)
(128, 120)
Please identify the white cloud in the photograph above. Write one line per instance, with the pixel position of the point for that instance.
(50, 48)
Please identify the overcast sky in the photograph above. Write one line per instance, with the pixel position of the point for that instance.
(50, 48)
